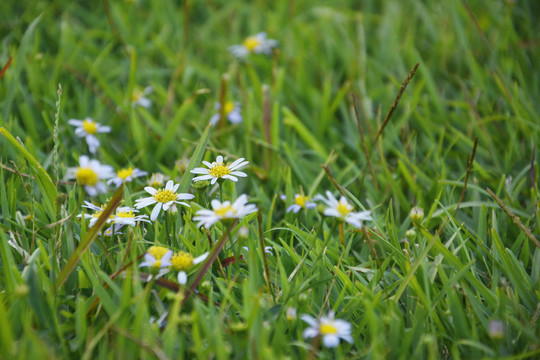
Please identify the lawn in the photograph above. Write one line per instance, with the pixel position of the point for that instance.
(269, 179)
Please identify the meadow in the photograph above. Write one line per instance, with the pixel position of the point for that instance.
(269, 179)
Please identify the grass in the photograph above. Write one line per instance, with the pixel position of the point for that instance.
(439, 288)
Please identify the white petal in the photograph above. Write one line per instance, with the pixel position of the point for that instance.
(144, 202)
(103, 129)
(75, 122)
(201, 171)
(150, 190)
(83, 161)
(182, 277)
(310, 320)
(185, 196)
(232, 178)
(330, 340)
(214, 119)
(219, 159)
(204, 177)
(238, 173)
(155, 211)
(93, 143)
(310, 333)
(236, 162)
(91, 190)
(200, 258)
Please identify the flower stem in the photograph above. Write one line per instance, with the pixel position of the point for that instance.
(220, 191)
(341, 235)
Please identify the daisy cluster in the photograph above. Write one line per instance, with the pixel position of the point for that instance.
(163, 199)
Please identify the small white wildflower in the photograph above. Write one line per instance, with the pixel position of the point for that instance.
(329, 328)
(224, 211)
(417, 215)
(301, 202)
(89, 173)
(87, 128)
(219, 171)
(256, 44)
(231, 111)
(163, 198)
(126, 175)
(343, 210)
(290, 314)
(158, 259)
(157, 180)
(183, 261)
(138, 97)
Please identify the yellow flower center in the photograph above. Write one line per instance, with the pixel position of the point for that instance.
(344, 208)
(164, 196)
(251, 43)
(89, 126)
(97, 214)
(327, 329)
(222, 211)
(300, 200)
(182, 261)
(157, 252)
(124, 173)
(157, 264)
(125, 214)
(229, 106)
(218, 170)
(86, 176)
(136, 95)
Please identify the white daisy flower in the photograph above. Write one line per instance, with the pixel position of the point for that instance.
(123, 215)
(87, 128)
(329, 328)
(257, 44)
(165, 199)
(138, 97)
(98, 210)
(224, 211)
(157, 180)
(219, 171)
(290, 314)
(126, 216)
(343, 210)
(126, 175)
(89, 173)
(300, 202)
(231, 111)
(183, 261)
(158, 259)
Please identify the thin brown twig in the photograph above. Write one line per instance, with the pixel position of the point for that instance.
(4, 69)
(332, 180)
(390, 112)
(206, 266)
(396, 102)
(514, 218)
(469, 167)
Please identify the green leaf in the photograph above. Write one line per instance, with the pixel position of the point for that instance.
(45, 184)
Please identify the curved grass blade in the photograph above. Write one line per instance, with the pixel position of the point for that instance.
(196, 159)
(44, 181)
(89, 238)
